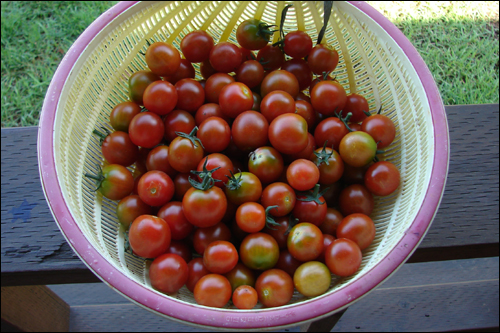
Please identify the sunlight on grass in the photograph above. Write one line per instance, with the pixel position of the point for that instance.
(458, 41)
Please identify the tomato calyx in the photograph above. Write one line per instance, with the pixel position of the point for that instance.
(191, 137)
(102, 136)
(292, 221)
(234, 182)
(368, 113)
(323, 156)
(264, 32)
(345, 120)
(313, 195)
(269, 219)
(207, 180)
(99, 178)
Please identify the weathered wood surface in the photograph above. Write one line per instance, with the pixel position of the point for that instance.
(467, 217)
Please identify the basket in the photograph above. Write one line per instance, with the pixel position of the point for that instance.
(376, 60)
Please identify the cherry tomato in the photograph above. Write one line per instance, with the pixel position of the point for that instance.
(191, 95)
(381, 129)
(149, 236)
(196, 46)
(356, 199)
(212, 290)
(253, 34)
(129, 208)
(163, 59)
(240, 275)
(220, 257)
(266, 163)
(156, 188)
(287, 263)
(300, 69)
(322, 59)
(215, 84)
(220, 161)
(197, 270)
(206, 69)
(114, 181)
(181, 248)
(259, 251)
(185, 71)
(330, 130)
(343, 257)
(122, 115)
(328, 97)
(250, 130)
(382, 178)
(245, 297)
(185, 152)
(226, 57)
(182, 185)
(302, 174)
(279, 230)
(138, 82)
(173, 214)
(158, 160)
(281, 195)
(331, 222)
(235, 98)
(251, 217)
(327, 240)
(305, 241)
(243, 187)
(357, 105)
(331, 166)
(214, 134)
(168, 273)
(204, 236)
(288, 133)
(298, 44)
(177, 121)
(250, 73)
(209, 110)
(276, 103)
(274, 288)
(305, 109)
(312, 279)
(146, 129)
(280, 80)
(160, 97)
(117, 148)
(204, 208)
(359, 228)
(357, 149)
(271, 56)
(310, 210)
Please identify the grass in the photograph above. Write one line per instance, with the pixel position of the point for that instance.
(458, 41)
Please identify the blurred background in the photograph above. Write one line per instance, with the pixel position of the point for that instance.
(458, 41)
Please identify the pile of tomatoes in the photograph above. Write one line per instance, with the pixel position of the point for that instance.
(252, 182)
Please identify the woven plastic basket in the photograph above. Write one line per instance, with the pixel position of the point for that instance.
(376, 60)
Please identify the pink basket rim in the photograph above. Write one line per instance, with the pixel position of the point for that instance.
(221, 318)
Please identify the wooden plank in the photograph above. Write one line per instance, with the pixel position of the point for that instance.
(34, 309)
(33, 247)
(434, 296)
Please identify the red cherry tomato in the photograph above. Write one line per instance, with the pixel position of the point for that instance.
(245, 297)
(357, 105)
(212, 290)
(117, 148)
(122, 115)
(274, 288)
(250, 73)
(235, 98)
(146, 129)
(173, 214)
(158, 160)
(138, 82)
(288, 133)
(302, 174)
(305, 241)
(226, 57)
(214, 134)
(276, 103)
(251, 217)
(281, 195)
(220, 161)
(209, 110)
(220, 257)
(356, 199)
(215, 84)
(382, 178)
(330, 130)
(185, 71)
(156, 188)
(168, 273)
(280, 80)
(266, 163)
(298, 44)
(160, 97)
(163, 59)
(250, 130)
(131, 207)
(184, 153)
(271, 56)
(196, 46)
(343, 257)
(149, 236)
(204, 236)
(328, 97)
(381, 129)
(197, 270)
(190, 94)
(359, 228)
(322, 59)
(204, 208)
(178, 121)
(300, 69)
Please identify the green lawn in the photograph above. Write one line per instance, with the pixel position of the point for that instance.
(458, 41)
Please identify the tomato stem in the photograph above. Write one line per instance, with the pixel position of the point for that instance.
(192, 137)
(313, 195)
(207, 180)
(292, 221)
(102, 136)
(99, 178)
(234, 182)
(326, 13)
(345, 120)
(269, 219)
(323, 156)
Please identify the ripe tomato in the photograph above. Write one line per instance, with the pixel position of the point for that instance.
(240, 275)
(281, 195)
(220, 161)
(209, 110)
(226, 57)
(271, 56)
(212, 290)
(182, 185)
(204, 208)
(328, 97)
(356, 199)
(357, 149)
(129, 208)
(279, 230)
(327, 240)
(114, 181)
(305, 109)
(214, 134)
(190, 94)
(214, 85)
(220, 257)
(168, 273)
(310, 208)
(280, 80)
(259, 251)
(288, 133)
(359, 228)
(312, 279)
(287, 262)
(251, 217)
(300, 69)
(181, 248)
(343, 257)
(160, 97)
(330, 130)
(173, 214)
(330, 165)
(305, 241)
(357, 105)
(322, 59)
(138, 82)
(177, 121)
(235, 98)
(156, 188)
(253, 34)
(302, 174)
(245, 297)
(185, 71)
(163, 59)
(250, 73)
(276, 103)
(146, 129)
(197, 270)
(204, 236)
(158, 160)
(196, 46)
(206, 69)
(117, 148)
(149, 236)
(298, 44)
(250, 130)
(382, 178)
(122, 115)
(381, 129)
(185, 152)
(243, 187)
(274, 288)
(331, 222)
(266, 163)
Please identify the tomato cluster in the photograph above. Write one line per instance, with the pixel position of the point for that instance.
(254, 181)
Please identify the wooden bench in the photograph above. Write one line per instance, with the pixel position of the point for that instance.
(450, 283)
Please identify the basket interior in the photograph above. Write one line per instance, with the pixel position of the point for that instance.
(370, 64)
